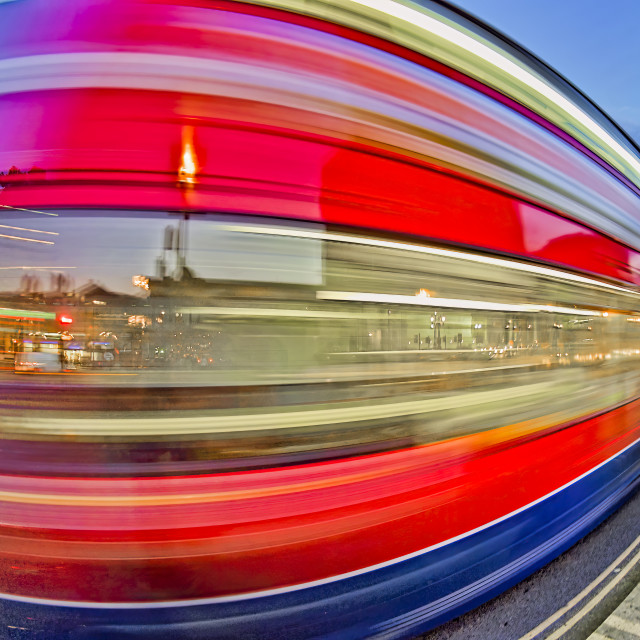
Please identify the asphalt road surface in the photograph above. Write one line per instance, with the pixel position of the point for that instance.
(569, 598)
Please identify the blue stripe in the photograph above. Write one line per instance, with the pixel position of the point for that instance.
(396, 601)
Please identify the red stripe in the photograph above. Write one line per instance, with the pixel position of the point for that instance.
(434, 493)
(332, 181)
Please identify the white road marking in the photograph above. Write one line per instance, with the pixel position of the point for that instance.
(588, 589)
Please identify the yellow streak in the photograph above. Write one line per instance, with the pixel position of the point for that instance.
(2, 235)
(50, 233)
(44, 213)
(188, 498)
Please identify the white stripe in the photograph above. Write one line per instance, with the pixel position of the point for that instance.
(446, 253)
(314, 583)
(449, 303)
(280, 420)
(280, 313)
(504, 64)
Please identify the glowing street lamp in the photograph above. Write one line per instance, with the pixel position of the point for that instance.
(140, 281)
(188, 168)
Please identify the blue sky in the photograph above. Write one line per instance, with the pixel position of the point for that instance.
(594, 44)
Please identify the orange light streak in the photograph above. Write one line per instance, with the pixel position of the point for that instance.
(2, 235)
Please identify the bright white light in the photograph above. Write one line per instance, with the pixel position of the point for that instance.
(30, 267)
(187, 170)
(140, 281)
(434, 251)
(384, 298)
(568, 310)
(252, 312)
(449, 303)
